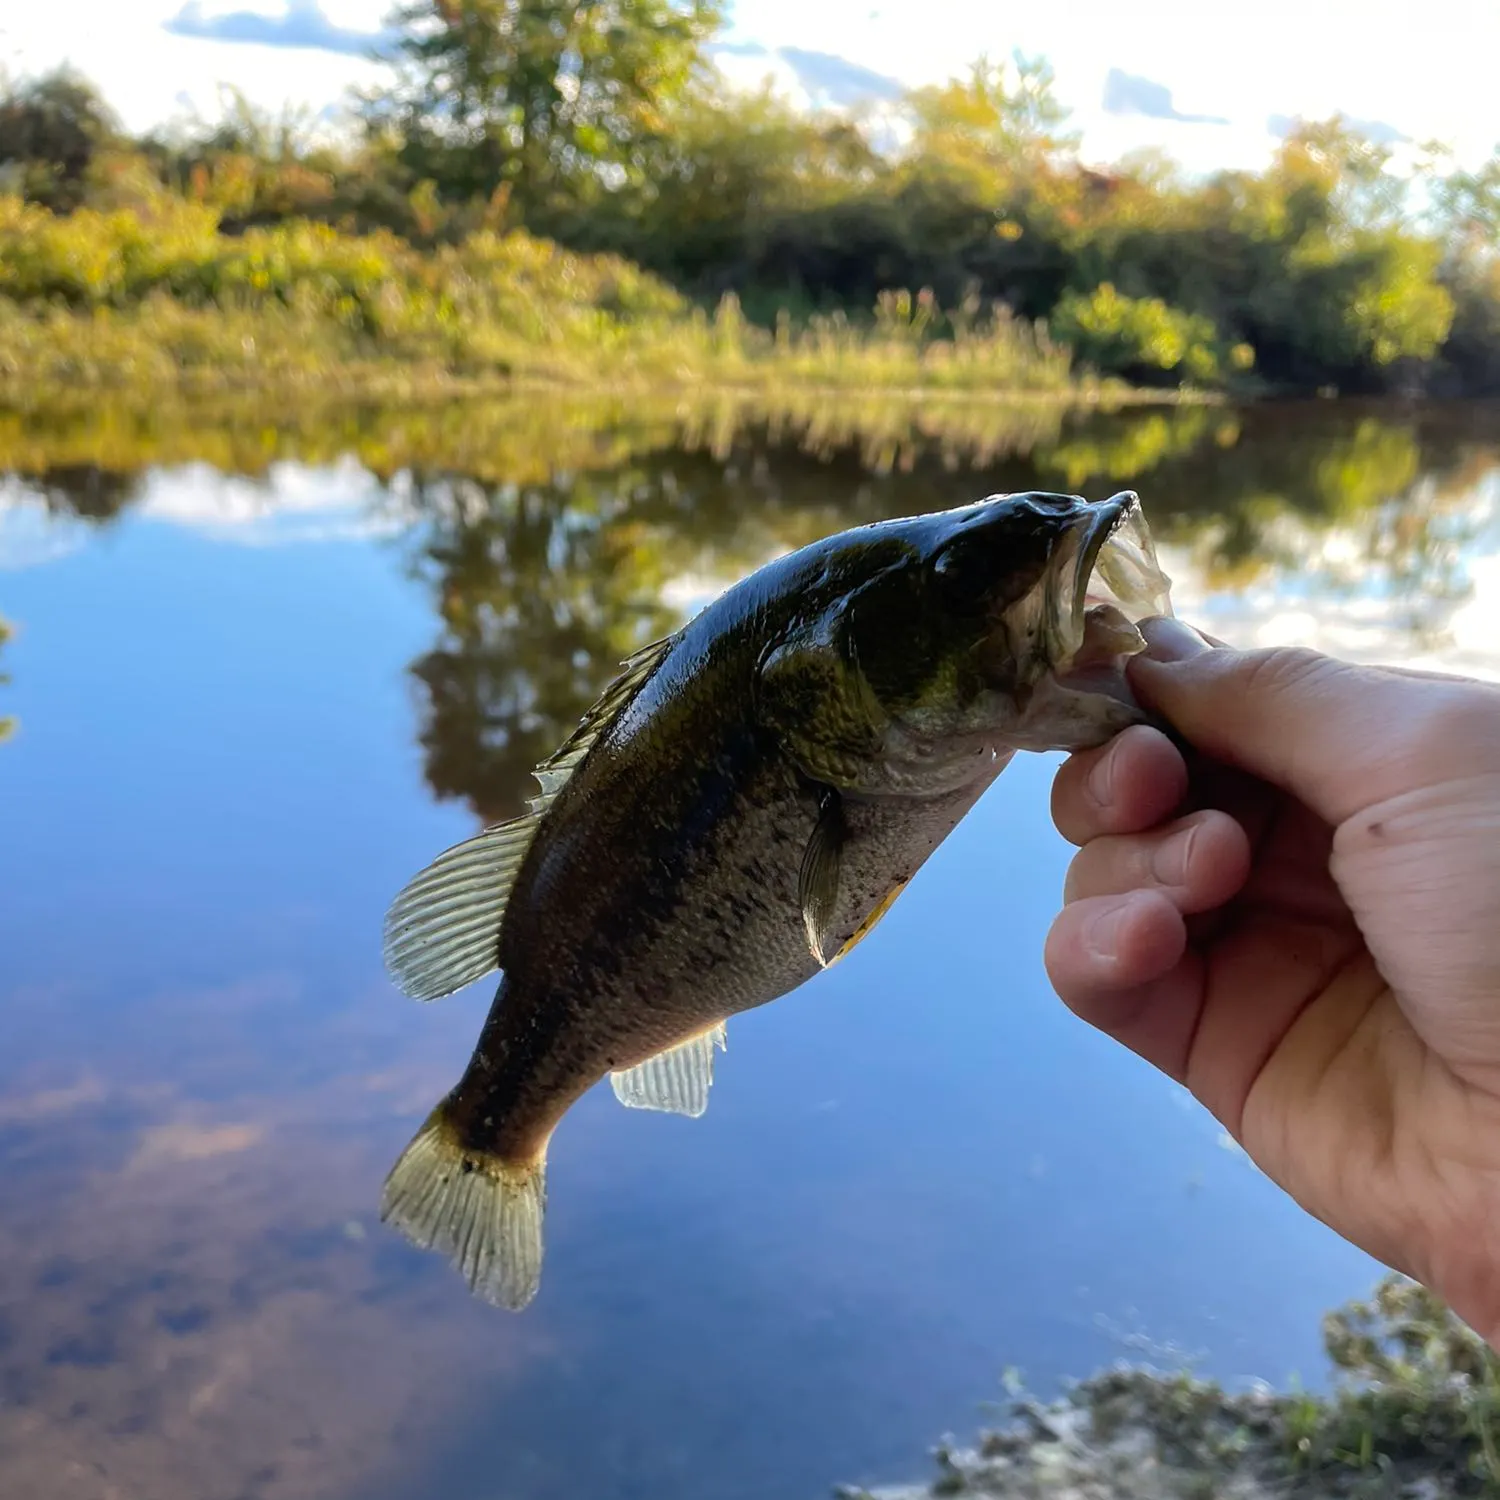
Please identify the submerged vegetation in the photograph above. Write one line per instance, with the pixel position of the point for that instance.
(572, 193)
(1415, 1412)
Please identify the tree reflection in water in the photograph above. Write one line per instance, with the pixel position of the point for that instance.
(558, 536)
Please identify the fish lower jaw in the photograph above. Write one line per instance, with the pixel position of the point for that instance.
(1079, 710)
(1108, 637)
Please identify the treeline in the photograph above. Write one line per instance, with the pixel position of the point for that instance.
(599, 124)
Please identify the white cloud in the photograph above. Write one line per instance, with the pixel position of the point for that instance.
(1365, 57)
(294, 503)
(148, 75)
(30, 535)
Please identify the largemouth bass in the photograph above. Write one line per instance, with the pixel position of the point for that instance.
(737, 811)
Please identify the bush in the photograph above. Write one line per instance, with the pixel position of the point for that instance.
(155, 290)
(1143, 339)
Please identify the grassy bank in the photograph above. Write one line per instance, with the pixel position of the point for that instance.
(156, 295)
(1414, 1412)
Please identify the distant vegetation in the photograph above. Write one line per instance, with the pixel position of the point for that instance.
(567, 191)
(158, 292)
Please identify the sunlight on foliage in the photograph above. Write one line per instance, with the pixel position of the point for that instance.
(126, 297)
(1139, 337)
(569, 192)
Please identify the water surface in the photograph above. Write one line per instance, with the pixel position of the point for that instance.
(265, 666)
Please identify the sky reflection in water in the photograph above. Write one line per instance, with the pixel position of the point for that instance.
(239, 685)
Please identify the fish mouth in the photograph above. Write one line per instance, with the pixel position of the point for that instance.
(1097, 597)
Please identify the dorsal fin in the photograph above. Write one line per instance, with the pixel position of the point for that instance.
(443, 930)
(553, 773)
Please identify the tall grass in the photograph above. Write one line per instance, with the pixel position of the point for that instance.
(158, 295)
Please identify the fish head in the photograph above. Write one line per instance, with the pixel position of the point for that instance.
(1011, 624)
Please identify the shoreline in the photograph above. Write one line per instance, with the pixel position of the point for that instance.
(1413, 1414)
(24, 384)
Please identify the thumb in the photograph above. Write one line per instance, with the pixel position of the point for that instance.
(1338, 737)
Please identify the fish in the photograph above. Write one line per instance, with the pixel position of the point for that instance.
(738, 810)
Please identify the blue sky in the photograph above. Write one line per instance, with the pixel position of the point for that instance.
(1426, 70)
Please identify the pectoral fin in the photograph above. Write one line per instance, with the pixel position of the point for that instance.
(818, 883)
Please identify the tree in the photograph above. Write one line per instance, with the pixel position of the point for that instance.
(1466, 207)
(736, 191)
(50, 131)
(552, 99)
(1341, 175)
(1004, 111)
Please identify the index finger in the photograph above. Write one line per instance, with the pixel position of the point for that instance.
(1126, 786)
(1339, 737)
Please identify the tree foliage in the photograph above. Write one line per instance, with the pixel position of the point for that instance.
(50, 129)
(601, 125)
(546, 98)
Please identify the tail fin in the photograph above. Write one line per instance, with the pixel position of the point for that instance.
(483, 1213)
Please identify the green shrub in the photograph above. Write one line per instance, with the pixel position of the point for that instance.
(1142, 338)
(155, 290)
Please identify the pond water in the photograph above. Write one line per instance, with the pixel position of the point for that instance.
(264, 666)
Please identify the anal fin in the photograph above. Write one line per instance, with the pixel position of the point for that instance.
(676, 1081)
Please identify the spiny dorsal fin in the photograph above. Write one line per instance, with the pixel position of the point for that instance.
(553, 773)
(443, 930)
(677, 1080)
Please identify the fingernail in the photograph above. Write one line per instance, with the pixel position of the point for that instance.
(1169, 639)
(1099, 784)
(1170, 862)
(1100, 934)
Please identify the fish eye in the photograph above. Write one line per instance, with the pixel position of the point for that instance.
(963, 574)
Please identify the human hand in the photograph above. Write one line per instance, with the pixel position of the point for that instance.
(1301, 923)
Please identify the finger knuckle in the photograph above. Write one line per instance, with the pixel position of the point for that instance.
(1275, 671)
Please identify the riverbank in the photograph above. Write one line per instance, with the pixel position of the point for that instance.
(158, 296)
(1414, 1414)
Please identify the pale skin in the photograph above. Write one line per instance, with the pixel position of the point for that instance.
(1301, 923)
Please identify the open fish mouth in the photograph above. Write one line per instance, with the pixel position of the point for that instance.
(1113, 580)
